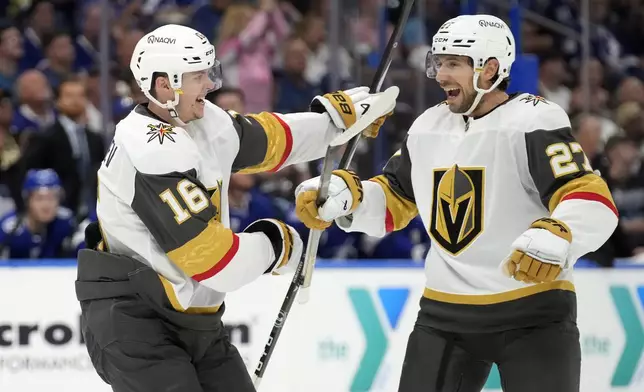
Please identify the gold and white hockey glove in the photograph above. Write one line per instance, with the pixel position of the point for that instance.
(286, 242)
(346, 107)
(540, 253)
(345, 195)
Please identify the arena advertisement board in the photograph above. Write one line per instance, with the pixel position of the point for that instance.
(350, 337)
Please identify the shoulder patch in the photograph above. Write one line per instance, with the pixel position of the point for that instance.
(534, 100)
(161, 132)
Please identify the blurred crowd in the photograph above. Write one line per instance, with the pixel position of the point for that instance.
(276, 56)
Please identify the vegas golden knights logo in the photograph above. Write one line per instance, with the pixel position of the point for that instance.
(457, 207)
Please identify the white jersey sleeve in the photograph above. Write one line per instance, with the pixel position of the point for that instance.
(174, 206)
(389, 203)
(556, 169)
(270, 141)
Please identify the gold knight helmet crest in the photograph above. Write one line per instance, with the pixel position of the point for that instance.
(457, 207)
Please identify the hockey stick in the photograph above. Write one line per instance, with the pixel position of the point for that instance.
(314, 237)
(345, 161)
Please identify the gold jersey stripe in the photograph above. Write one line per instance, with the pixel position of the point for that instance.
(489, 299)
(400, 211)
(279, 143)
(588, 184)
(200, 257)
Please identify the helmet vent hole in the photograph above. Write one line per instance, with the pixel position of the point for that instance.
(188, 47)
(509, 42)
(196, 58)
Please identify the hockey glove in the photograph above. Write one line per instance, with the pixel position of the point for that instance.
(346, 107)
(286, 242)
(345, 195)
(540, 253)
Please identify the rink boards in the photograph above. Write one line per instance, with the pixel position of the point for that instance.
(350, 337)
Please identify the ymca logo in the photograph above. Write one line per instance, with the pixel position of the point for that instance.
(379, 315)
(626, 304)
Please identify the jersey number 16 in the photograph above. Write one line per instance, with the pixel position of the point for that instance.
(193, 197)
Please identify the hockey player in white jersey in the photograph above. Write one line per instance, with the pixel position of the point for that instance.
(162, 256)
(510, 203)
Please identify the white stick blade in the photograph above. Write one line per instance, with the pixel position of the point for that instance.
(372, 115)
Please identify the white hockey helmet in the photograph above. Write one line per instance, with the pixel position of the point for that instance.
(174, 50)
(479, 37)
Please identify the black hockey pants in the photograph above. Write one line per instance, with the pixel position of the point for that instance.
(544, 358)
(138, 343)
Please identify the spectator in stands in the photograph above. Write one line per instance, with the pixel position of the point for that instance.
(319, 61)
(630, 118)
(292, 91)
(597, 95)
(68, 147)
(40, 22)
(587, 129)
(228, 98)
(44, 229)
(59, 59)
(10, 170)
(121, 104)
(536, 40)
(630, 89)
(625, 178)
(124, 49)
(552, 76)
(247, 43)
(86, 43)
(35, 111)
(247, 203)
(207, 18)
(11, 52)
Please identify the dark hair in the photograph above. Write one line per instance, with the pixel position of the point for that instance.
(213, 95)
(505, 83)
(72, 79)
(155, 76)
(48, 39)
(5, 25)
(615, 141)
(550, 56)
(5, 95)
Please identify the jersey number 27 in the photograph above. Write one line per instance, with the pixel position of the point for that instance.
(562, 158)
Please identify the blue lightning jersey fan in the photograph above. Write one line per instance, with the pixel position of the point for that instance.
(43, 230)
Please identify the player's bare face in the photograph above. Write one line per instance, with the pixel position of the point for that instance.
(43, 205)
(195, 86)
(454, 75)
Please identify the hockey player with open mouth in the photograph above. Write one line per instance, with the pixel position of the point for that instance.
(510, 202)
(162, 256)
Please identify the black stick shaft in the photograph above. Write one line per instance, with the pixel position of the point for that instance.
(379, 77)
(298, 277)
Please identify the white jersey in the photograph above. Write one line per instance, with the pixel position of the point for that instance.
(163, 195)
(477, 184)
